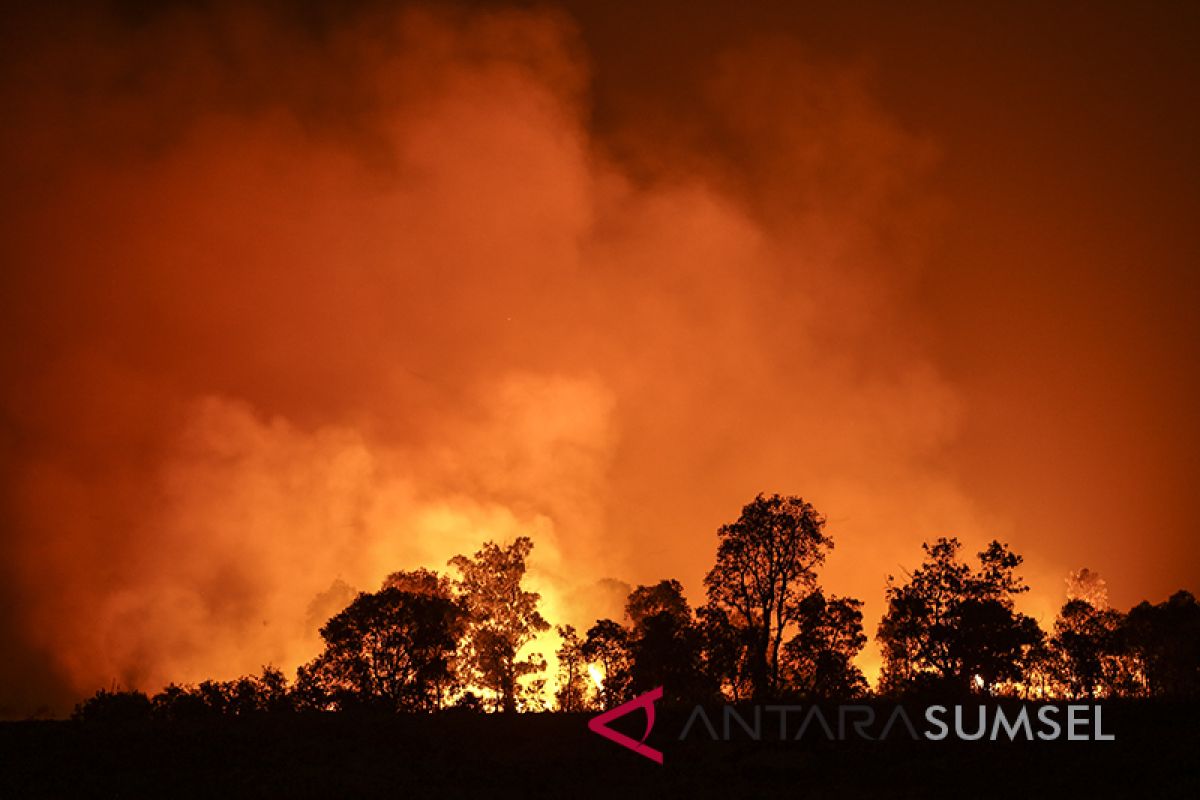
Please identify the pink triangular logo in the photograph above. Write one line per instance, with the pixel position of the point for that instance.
(599, 724)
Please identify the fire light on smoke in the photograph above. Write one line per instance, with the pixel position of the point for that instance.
(293, 304)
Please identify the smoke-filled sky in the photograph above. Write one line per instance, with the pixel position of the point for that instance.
(294, 296)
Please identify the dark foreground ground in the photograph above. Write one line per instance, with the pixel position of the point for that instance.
(1156, 755)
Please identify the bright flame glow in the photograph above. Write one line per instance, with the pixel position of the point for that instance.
(596, 675)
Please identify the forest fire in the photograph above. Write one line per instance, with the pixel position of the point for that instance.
(317, 318)
(391, 384)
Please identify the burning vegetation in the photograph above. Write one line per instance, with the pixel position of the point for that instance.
(769, 631)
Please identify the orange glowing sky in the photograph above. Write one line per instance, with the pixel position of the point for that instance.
(294, 295)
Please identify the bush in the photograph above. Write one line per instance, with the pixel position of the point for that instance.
(114, 706)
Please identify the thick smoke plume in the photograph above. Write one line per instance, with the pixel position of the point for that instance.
(293, 301)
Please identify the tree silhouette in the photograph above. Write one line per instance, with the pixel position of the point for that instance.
(819, 659)
(420, 581)
(1165, 641)
(389, 648)
(115, 706)
(766, 566)
(954, 623)
(607, 644)
(572, 691)
(665, 644)
(246, 695)
(991, 641)
(502, 618)
(665, 597)
(768, 630)
(1089, 642)
(177, 703)
(724, 647)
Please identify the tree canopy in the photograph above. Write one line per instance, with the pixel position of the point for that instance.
(766, 566)
(502, 617)
(768, 630)
(955, 623)
(391, 647)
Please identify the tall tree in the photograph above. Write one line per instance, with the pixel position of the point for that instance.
(954, 623)
(665, 644)
(503, 618)
(607, 645)
(1089, 642)
(572, 691)
(819, 659)
(723, 652)
(390, 648)
(766, 566)
(1165, 640)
